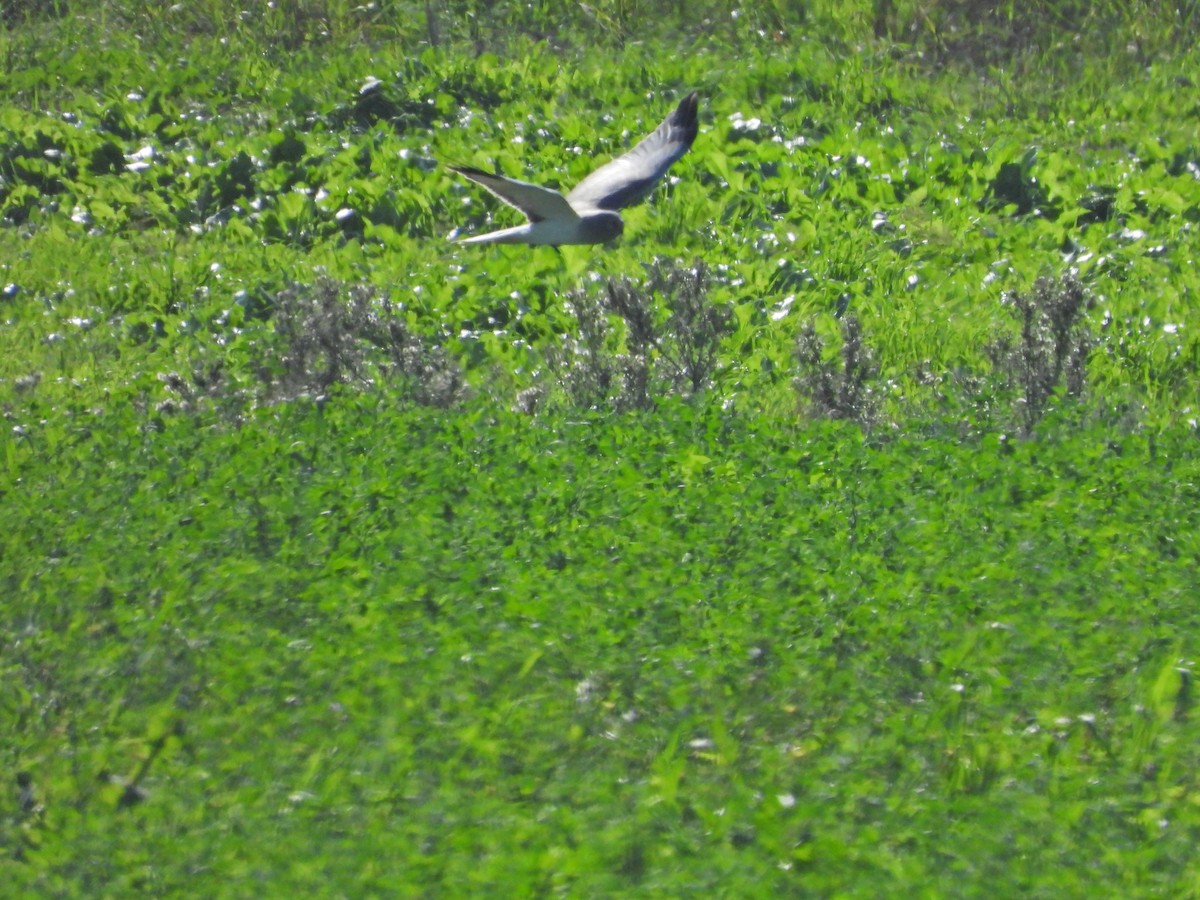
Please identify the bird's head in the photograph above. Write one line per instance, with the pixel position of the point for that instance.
(602, 226)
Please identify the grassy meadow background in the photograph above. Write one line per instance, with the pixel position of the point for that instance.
(834, 533)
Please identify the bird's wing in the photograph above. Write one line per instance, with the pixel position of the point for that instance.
(630, 178)
(538, 203)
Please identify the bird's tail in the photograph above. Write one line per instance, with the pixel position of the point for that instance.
(518, 234)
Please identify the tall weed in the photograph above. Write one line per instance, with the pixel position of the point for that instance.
(667, 340)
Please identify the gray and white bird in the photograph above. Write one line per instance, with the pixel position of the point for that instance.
(589, 213)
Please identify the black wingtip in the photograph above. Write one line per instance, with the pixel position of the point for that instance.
(688, 107)
(686, 116)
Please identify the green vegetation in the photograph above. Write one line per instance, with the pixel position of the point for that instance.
(834, 533)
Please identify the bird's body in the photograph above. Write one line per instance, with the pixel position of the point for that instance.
(589, 213)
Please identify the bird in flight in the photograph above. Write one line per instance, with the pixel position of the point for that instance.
(589, 213)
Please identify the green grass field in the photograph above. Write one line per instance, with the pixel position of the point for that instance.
(834, 533)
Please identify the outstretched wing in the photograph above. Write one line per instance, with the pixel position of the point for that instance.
(630, 178)
(538, 203)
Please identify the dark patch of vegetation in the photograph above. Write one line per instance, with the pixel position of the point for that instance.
(327, 334)
(1049, 354)
(15, 13)
(672, 331)
(1016, 184)
(1047, 358)
(981, 34)
(837, 386)
(333, 334)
